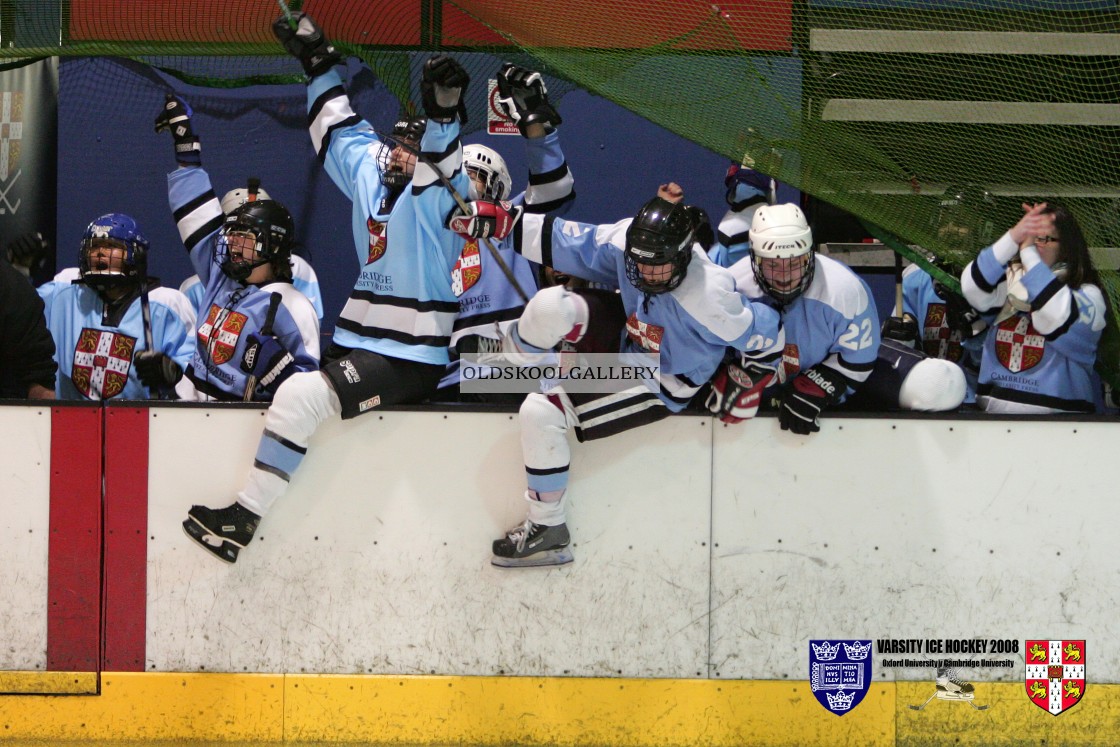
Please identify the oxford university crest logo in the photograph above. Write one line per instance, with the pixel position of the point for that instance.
(840, 673)
(1055, 674)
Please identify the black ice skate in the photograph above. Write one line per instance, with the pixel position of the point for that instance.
(222, 531)
(529, 544)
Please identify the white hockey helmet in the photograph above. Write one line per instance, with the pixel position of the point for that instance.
(490, 168)
(781, 232)
(235, 198)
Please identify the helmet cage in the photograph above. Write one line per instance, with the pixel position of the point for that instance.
(121, 235)
(487, 166)
(781, 238)
(661, 234)
(268, 227)
(396, 155)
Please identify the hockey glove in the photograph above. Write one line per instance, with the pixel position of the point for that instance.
(156, 370)
(902, 329)
(307, 43)
(745, 186)
(523, 97)
(175, 117)
(442, 87)
(268, 360)
(28, 250)
(960, 314)
(552, 315)
(811, 392)
(486, 219)
(737, 391)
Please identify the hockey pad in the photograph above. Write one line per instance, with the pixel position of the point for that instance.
(523, 97)
(737, 391)
(156, 370)
(812, 391)
(902, 329)
(442, 87)
(486, 219)
(268, 360)
(175, 117)
(552, 315)
(307, 43)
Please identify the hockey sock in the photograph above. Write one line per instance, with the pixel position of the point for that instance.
(301, 405)
(544, 444)
(546, 513)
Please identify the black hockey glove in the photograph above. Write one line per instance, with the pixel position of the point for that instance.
(28, 250)
(755, 186)
(442, 87)
(306, 43)
(175, 117)
(268, 360)
(902, 329)
(811, 391)
(960, 314)
(523, 97)
(156, 370)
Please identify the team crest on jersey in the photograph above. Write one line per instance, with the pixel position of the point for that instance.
(791, 363)
(220, 331)
(1055, 674)
(1019, 346)
(102, 360)
(645, 335)
(377, 240)
(939, 340)
(467, 270)
(839, 673)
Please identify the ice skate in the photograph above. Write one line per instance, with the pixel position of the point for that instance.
(528, 545)
(222, 531)
(953, 688)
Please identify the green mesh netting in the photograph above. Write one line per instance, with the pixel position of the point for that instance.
(876, 107)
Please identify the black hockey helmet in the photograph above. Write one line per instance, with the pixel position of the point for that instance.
(660, 234)
(406, 134)
(273, 232)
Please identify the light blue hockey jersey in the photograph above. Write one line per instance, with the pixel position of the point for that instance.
(832, 322)
(231, 311)
(690, 327)
(402, 305)
(95, 353)
(1044, 357)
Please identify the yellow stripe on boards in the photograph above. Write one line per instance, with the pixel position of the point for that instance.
(54, 683)
(537, 711)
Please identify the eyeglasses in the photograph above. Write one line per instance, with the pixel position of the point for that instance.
(1047, 239)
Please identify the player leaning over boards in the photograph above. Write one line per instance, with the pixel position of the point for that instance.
(672, 301)
(390, 344)
(255, 329)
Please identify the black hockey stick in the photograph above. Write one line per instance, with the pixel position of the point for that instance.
(462, 203)
(266, 331)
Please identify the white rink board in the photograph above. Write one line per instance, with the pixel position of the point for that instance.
(377, 560)
(882, 528)
(25, 475)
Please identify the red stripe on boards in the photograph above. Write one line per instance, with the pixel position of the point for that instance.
(126, 535)
(74, 553)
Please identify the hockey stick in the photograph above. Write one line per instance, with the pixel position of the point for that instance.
(146, 315)
(266, 331)
(462, 203)
(898, 285)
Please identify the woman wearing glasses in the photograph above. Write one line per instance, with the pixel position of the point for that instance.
(1038, 290)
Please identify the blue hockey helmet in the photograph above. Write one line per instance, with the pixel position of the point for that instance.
(113, 252)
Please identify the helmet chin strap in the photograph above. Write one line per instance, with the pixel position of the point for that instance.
(240, 271)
